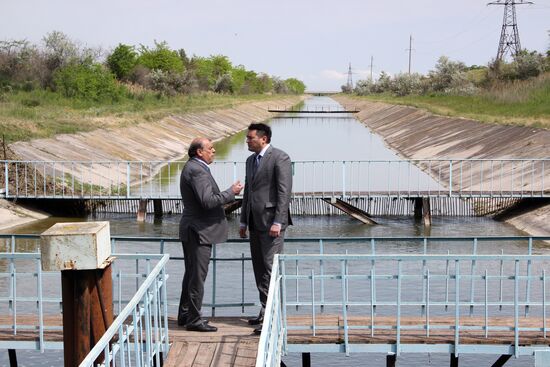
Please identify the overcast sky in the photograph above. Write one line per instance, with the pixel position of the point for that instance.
(313, 40)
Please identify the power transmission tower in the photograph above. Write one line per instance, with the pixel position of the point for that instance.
(350, 78)
(509, 36)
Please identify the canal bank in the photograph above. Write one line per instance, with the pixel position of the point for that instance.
(12, 215)
(417, 134)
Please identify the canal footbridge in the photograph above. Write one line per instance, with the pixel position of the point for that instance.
(375, 187)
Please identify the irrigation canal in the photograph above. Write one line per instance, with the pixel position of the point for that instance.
(304, 137)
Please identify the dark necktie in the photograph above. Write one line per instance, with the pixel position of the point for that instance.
(256, 163)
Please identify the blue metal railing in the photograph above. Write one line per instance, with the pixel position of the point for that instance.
(306, 275)
(371, 245)
(383, 293)
(515, 178)
(43, 302)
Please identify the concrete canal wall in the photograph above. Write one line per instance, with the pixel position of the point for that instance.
(416, 134)
(167, 139)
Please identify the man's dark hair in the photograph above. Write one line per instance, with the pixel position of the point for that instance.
(196, 144)
(261, 130)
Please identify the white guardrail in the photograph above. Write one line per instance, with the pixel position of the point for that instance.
(160, 179)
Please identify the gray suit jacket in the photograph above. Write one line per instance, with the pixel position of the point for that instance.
(267, 194)
(202, 204)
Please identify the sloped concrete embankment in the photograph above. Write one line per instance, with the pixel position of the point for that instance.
(164, 140)
(417, 134)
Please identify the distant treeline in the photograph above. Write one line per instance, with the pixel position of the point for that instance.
(63, 66)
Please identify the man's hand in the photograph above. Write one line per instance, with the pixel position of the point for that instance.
(237, 187)
(242, 232)
(275, 230)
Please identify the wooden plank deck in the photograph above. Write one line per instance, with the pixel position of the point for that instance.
(31, 334)
(235, 344)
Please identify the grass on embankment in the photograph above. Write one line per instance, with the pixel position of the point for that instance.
(42, 114)
(524, 103)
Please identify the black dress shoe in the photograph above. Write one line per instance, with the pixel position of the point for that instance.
(256, 321)
(204, 327)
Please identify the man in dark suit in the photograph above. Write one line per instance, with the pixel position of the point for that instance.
(202, 224)
(265, 208)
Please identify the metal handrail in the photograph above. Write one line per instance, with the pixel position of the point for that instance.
(270, 345)
(515, 177)
(415, 270)
(372, 245)
(18, 300)
(149, 302)
(321, 278)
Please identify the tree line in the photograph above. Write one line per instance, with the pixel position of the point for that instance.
(62, 65)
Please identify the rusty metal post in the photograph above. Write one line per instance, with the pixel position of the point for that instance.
(87, 311)
(426, 212)
(82, 251)
(142, 210)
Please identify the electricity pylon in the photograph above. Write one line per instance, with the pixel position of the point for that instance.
(350, 78)
(509, 36)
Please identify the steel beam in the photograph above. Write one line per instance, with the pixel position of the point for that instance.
(13, 357)
(501, 361)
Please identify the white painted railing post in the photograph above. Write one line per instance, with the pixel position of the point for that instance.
(343, 179)
(127, 179)
(450, 178)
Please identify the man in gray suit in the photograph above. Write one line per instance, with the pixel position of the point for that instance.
(265, 208)
(202, 224)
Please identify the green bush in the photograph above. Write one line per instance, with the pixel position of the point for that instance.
(89, 82)
(160, 58)
(122, 60)
(295, 86)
